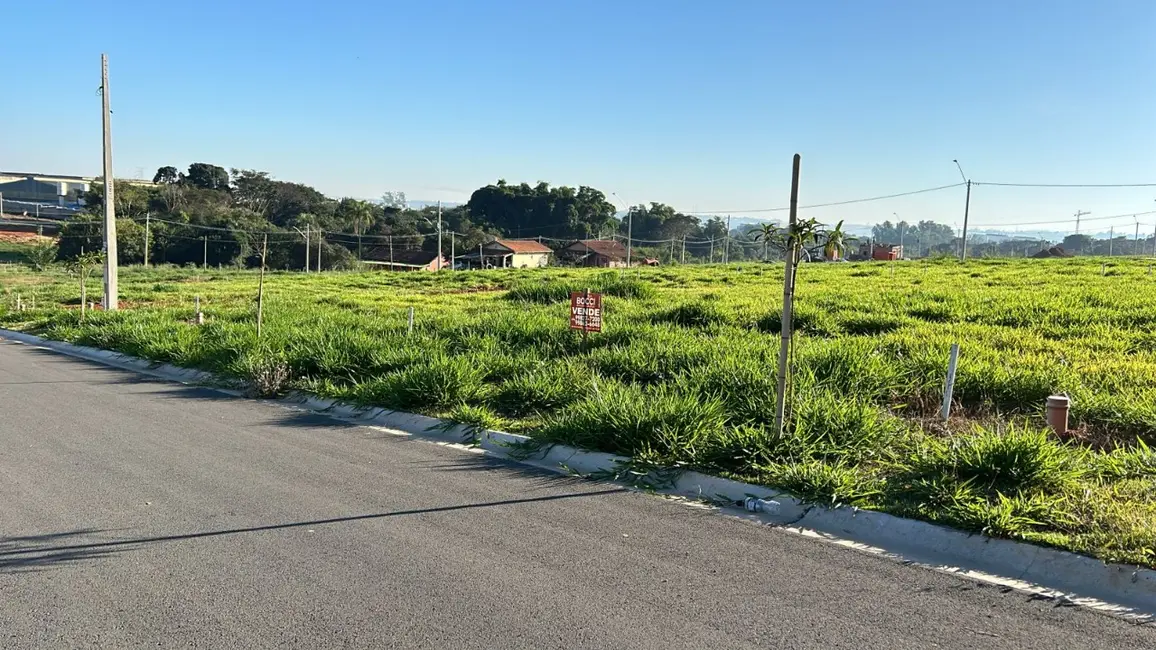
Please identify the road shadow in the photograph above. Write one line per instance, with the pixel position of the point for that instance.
(537, 476)
(30, 553)
(38, 551)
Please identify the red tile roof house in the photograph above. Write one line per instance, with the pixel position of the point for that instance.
(596, 252)
(516, 253)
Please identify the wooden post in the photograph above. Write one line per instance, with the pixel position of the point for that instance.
(585, 313)
(261, 285)
(788, 297)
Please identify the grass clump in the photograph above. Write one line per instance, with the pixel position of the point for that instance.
(437, 386)
(654, 424)
(696, 315)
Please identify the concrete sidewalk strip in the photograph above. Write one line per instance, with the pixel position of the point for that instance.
(1125, 591)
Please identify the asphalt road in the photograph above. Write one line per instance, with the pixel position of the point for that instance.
(135, 512)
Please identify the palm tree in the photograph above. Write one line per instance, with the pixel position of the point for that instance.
(767, 233)
(835, 242)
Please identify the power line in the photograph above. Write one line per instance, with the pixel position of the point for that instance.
(1058, 221)
(1067, 184)
(834, 203)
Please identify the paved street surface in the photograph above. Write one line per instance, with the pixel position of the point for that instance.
(139, 513)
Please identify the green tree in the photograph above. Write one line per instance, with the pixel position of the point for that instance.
(768, 234)
(207, 177)
(835, 241)
(166, 175)
(82, 267)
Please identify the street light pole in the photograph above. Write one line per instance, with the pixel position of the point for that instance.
(439, 235)
(966, 210)
(111, 299)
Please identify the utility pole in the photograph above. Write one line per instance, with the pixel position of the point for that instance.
(439, 235)
(318, 250)
(453, 244)
(727, 242)
(146, 246)
(1111, 239)
(111, 298)
(1136, 245)
(682, 256)
(304, 234)
(205, 254)
(1079, 213)
(966, 210)
(629, 234)
(390, 252)
(788, 294)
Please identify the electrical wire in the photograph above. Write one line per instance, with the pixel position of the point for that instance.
(1060, 221)
(834, 203)
(1057, 185)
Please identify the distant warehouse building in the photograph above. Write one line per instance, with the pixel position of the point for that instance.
(39, 188)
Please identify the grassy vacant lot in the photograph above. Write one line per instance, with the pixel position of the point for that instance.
(684, 373)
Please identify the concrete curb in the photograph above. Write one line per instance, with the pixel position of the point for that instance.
(1125, 591)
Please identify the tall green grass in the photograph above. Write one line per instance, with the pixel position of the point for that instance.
(684, 373)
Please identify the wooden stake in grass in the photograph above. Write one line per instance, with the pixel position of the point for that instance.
(261, 285)
(788, 296)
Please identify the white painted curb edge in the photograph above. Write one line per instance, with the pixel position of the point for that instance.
(1122, 590)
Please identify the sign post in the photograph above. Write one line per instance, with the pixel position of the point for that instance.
(585, 312)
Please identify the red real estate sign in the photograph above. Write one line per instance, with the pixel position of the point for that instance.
(586, 311)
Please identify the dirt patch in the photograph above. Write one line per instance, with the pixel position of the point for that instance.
(18, 237)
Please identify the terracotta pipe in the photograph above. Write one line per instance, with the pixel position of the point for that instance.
(1058, 413)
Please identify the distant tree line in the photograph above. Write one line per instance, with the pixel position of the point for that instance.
(209, 213)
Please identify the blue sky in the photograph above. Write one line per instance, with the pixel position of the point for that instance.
(696, 104)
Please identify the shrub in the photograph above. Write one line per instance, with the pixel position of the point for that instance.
(266, 374)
